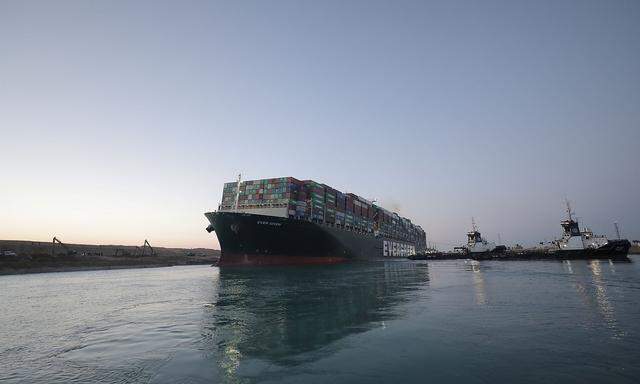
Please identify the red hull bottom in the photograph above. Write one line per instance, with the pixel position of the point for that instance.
(248, 260)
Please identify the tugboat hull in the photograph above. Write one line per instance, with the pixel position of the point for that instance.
(614, 249)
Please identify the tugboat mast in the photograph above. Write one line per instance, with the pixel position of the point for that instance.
(569, 211)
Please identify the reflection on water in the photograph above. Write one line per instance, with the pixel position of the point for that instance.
(604, 305)
(589, 282)
(279, 314)
(568, 266)
(411, 322)
(478, 281)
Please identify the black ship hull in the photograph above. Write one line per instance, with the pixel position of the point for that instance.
(614, 249)
(249, 239)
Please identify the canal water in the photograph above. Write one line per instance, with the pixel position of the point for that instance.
(402, 321)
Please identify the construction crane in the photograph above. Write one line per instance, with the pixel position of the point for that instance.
(147, 245)
(55, 240)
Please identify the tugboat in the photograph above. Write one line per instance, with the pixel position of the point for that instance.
(476, 244)
(577, 244)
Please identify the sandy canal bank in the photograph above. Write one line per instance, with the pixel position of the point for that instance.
(19, 257)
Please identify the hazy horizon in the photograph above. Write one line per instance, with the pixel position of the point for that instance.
(122, 121)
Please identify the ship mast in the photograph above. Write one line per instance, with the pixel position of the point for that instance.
(473, 224)
(238, 191)
(615, 224)
(569, 211)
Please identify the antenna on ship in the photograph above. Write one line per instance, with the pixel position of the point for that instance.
(473, 224)
(569, 211)
(615, 224)
(238, 191)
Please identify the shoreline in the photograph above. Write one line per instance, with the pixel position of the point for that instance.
(38, 270)
(43, 257)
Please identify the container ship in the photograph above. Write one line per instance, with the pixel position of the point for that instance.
(291, 221)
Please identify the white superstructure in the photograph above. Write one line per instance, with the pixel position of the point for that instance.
(475, 242)
(573, 238)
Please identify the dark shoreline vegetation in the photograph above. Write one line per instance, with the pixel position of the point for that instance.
(39, 257)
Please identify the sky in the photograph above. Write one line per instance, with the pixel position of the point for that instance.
(120, 121)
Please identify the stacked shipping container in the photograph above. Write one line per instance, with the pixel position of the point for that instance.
(309, 200)
(280, 192)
